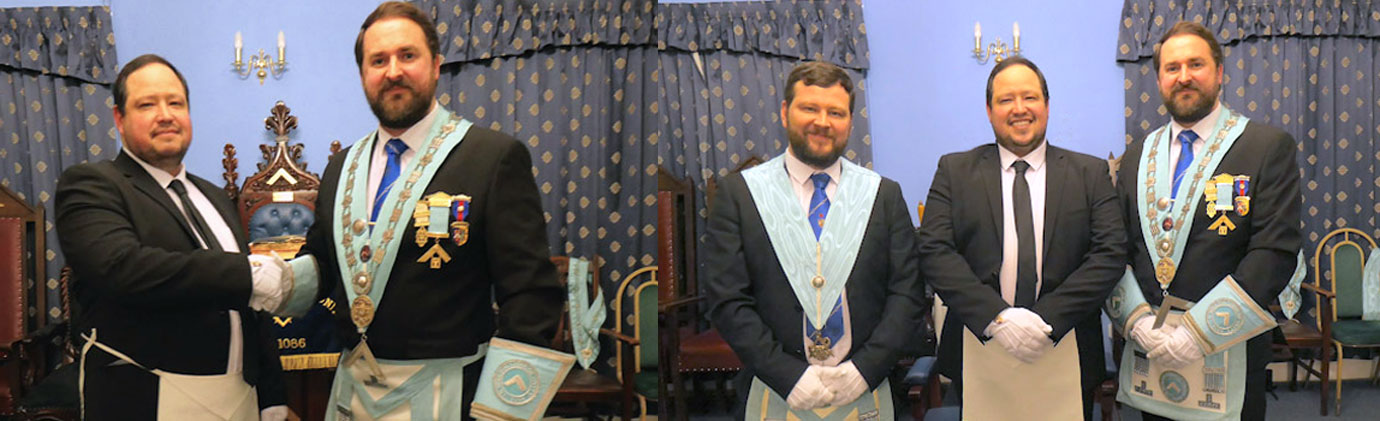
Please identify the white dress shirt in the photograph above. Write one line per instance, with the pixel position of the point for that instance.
(1010, 247)
(219, 229)
(800, 173)
(414, 137)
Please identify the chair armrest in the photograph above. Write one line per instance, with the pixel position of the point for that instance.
(621, 337)
(1329, 294)
(681, 302)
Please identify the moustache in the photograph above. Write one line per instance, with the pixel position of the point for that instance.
(396, 84)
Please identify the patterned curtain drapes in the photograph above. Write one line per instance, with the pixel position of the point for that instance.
(56, 66)
(575, 83)
(723, 66)
(1309, 68)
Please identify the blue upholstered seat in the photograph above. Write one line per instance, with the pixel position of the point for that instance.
(279, 219)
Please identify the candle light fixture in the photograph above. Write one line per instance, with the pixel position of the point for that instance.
(260, 64)
(997, 50)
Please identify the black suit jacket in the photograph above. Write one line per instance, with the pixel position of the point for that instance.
(757, 313)
(141, 278)
(1260, 253)
(1084, 249)
(448, 312)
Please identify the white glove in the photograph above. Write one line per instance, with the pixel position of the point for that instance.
(1022, 333)
(274, 413)
(846, 382)
(809, 392)
(1144, 332)
(1178, 350)
(272, 282)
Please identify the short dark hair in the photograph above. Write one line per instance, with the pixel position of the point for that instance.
(1016, 61)
(397, 9)
(821, 74)
(1190, 28)
(120, 92)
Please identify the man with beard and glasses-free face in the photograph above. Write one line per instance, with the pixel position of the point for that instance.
(164, 298)
(445, 217)
(1211, 202)
(1023, 240)
(811, 265)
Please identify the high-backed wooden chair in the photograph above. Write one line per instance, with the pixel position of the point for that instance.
(643, 318)
(21, 280)
(276, 206)
(583, 387)
(1338, 267)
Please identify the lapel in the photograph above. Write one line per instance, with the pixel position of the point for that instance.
(224, 207)
(147, 185)
(989, 175)
(1056, 174)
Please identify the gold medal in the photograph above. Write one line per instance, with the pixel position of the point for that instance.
(421, 237)
(1164, 272)
(362, 311)
(821, 347)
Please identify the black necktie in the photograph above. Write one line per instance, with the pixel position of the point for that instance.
(198, 224)
(1025, 238)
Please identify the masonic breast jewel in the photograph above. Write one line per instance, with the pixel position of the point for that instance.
(438, 216)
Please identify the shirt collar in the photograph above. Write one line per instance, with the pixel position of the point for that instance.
(1036, 158)
(163, 178)
(1202, 128)
(800, 172)
(414, 137)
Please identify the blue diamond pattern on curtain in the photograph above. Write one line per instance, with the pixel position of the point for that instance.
(56, 66)
(1308, 68)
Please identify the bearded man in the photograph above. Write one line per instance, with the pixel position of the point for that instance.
(811, 266)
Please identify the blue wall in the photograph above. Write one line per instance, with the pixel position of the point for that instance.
(926, 93)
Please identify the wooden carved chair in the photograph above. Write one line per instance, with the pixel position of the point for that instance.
(1338, 267)
(276, 206)
(646, 378)
(583, 387)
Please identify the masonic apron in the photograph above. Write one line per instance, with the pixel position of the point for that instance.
(216, 397)
(997, 386)
(817, 269)
(366, 388)
(1213, 387)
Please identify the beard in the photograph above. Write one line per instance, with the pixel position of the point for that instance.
(1189, 112)
(400, 113)
(800, 147)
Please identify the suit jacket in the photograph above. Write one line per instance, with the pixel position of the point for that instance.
(1084, 249)
(757, 313)
(449, 312)
(1259, 253)
(141, 278)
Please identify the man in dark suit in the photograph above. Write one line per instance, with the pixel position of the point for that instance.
(1221, 230)
(1023, 241)
(161, 288)
(445, 214)
(810, 264)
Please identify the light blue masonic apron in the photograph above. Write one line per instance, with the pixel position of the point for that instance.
(423, 389)
(803, 258)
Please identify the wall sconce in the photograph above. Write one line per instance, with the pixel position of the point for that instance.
(261, 64)
(997, 50)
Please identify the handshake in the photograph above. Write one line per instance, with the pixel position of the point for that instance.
(1022, 333)
(827, 386)
(1172, 347)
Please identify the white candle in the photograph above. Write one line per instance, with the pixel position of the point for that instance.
(977, 35)
(1016, 34)
(239, 45)
(282, 48)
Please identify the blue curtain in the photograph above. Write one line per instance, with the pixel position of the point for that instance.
(56, 66)
(1307, 68)
(722, 69)
(572, 81)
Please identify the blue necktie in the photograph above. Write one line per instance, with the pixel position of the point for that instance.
(1186, 137)
(819, 209)
(819, 203)
(395, 149)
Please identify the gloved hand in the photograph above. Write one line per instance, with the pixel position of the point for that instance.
(845, 381)
(1178, 350)
(1022, 333)
(272, 283)
(1143, 332)
(809, 392)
